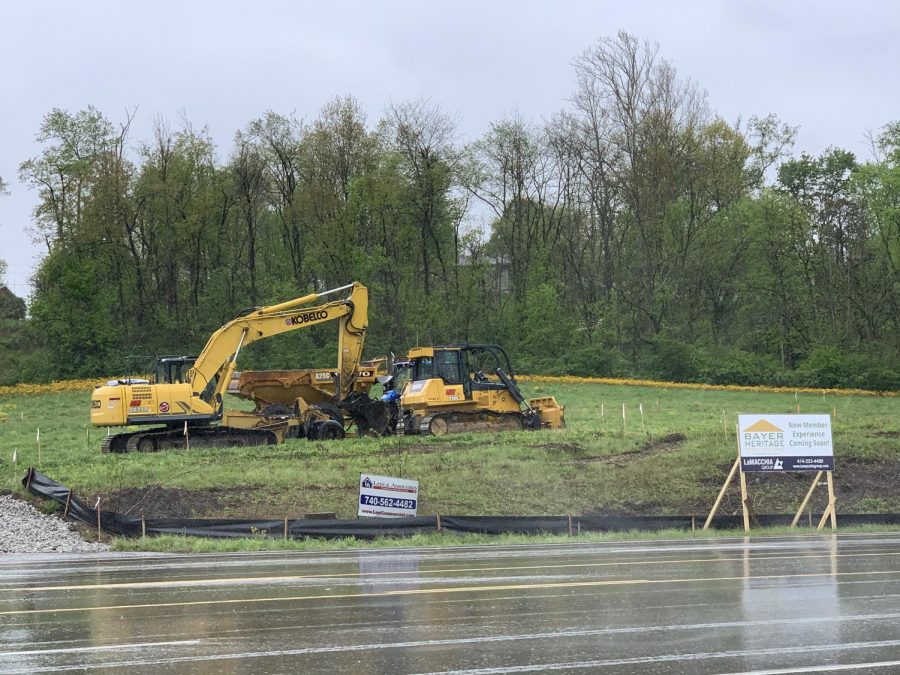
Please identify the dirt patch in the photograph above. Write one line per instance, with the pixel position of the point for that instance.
(886, 434)
(163, 502)
(651, 448)
(860, 487)
(664, 444)
(238, 502)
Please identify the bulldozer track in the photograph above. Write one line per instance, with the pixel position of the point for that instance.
(441, 424)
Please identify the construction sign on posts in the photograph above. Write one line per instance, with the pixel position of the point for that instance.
(785, 443)
(386, 497)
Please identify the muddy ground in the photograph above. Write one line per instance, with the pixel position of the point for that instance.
(861, 487)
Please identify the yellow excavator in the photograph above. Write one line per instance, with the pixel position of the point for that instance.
(184, 400)
(468, 387)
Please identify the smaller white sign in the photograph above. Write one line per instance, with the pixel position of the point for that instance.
(387, 497)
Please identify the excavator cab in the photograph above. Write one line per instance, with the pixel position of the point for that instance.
(469, 387)
(173, 369)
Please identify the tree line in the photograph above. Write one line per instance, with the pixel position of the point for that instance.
(633, 233)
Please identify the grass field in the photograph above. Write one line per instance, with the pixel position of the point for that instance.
(672, 461)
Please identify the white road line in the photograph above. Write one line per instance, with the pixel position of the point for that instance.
(535, 668)
(820, 669)
(98, 648)
(666, 658)
(548, 635)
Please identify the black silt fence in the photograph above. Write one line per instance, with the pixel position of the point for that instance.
(132, 526)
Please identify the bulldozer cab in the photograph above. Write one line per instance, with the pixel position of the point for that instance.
(473, 366)
(173, 369)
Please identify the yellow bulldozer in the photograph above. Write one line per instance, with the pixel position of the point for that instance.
(184, 400)
(467, 387)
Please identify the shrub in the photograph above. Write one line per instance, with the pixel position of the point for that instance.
(670, 359)
(735, 366)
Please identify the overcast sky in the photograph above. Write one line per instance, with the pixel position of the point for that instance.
(829, 67)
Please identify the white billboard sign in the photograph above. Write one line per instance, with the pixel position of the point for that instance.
(386, 497)
(785, 443)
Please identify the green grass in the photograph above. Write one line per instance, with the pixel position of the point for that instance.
(181, 544)
(596, 465)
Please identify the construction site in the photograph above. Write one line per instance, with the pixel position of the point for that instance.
(201, 438)
(433, 390)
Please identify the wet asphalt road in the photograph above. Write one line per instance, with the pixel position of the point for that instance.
(773, 605)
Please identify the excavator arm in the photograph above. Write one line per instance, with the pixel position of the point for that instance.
(213, 368)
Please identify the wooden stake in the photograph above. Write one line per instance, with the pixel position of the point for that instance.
(745, 500)
(438, 516)
(570, 524)
(578, 523)
(825, 515)
(68, 503)
(693, 523)
(832, 502)
(830, 509)
(98, 519)
(806, 499)
(712, 512)
(285, 528)
(143, 527)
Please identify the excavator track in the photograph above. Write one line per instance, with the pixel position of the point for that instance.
(115, 442)
(441, 424)
(154, 440)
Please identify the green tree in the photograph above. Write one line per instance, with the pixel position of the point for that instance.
(63, 173)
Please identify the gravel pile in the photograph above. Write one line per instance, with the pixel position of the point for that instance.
(24, 529)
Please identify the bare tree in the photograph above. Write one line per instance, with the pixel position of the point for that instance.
(249, 171)
(638, 121)
(517, 175)
(281, 143)
(422, 133)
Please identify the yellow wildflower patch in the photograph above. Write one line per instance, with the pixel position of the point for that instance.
(572, 379)
(53, 387)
